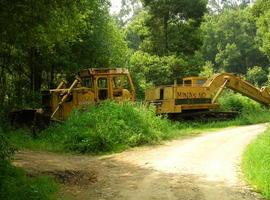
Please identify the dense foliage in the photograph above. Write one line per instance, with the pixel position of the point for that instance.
(262, 15)
(257, 75)
(237, 102)
(40, 39)
(159, 41)
(115, 127)
(173, 25)
(250, 111)
(229, 41)
(107, 127)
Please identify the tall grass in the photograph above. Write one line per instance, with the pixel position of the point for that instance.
(114, 127)
(109, 127)
(256, 164)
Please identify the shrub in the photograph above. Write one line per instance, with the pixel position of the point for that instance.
(257, 75)
(6, 149)
(250, 111)
(207, 69)
(237, 102)
(15, 185)
(109, 126)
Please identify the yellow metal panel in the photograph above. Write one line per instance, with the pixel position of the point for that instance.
(185, 92)
(85, 97)
(152, 94)
(168, 107)
(168, 93)
(79, 94)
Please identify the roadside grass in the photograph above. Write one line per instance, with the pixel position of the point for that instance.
(112, 127)
(104, 128)
(256, 164)
(15, 184)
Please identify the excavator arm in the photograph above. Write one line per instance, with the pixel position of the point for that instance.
(218, 82)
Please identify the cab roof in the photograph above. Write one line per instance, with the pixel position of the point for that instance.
(195, 78)
(103, 71)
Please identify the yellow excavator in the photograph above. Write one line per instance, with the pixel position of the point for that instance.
(198, 95)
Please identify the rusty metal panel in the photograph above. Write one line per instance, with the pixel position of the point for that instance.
(168, 107)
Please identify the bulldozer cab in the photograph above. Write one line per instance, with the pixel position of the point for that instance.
(91, 86)
(109, 83)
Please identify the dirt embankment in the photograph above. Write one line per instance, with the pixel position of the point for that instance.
(200, 168)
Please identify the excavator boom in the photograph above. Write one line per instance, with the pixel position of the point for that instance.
(239, 85)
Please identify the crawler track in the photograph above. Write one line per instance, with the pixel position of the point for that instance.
(205, 116)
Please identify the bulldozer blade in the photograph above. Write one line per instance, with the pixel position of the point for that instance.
(29, 118)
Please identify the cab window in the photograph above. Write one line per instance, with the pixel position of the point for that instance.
(102, 83)
(200, 82)
(187, 82)
(121, 82)
(87, 82)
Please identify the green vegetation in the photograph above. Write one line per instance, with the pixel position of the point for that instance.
(115, 127)
(45, 41)
(251, 111)
(159, 41)
(107, 127)
(15, 184)
(256, 75)
(229, 41)
(231, 101)
(256, 164)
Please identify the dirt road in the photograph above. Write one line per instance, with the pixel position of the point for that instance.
(203, 167)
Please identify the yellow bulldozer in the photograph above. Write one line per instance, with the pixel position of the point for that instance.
(90, 86)
(197, 96)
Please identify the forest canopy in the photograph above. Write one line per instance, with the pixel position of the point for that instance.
(159, 41)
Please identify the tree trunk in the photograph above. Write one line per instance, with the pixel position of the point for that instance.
(18, 89)
(165, 26)
(51, 85)
(3, 85)
(35, 71)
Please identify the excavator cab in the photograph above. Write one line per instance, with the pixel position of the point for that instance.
(194, 81)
